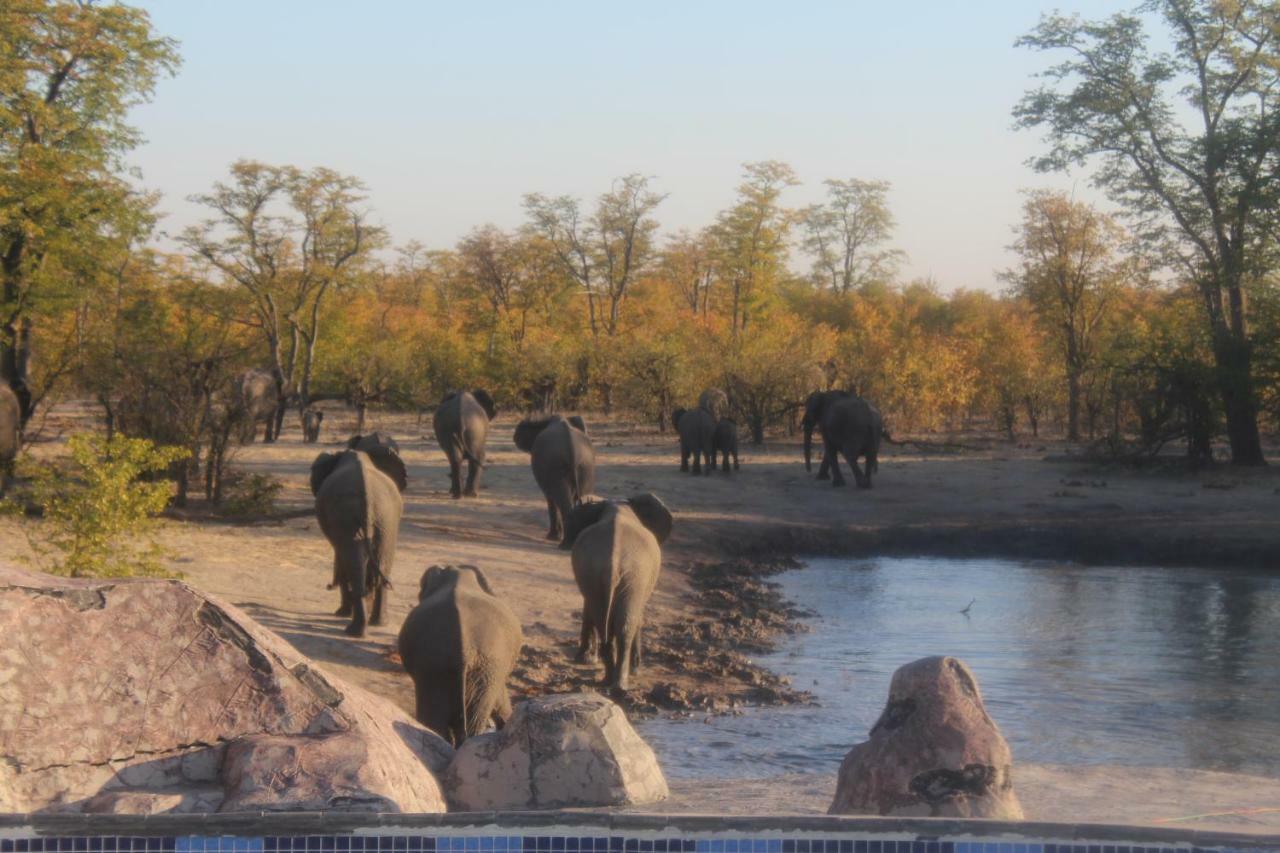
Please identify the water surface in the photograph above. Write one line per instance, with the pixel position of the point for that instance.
(1078, 665)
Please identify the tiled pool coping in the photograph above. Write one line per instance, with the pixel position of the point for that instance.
(589, 832)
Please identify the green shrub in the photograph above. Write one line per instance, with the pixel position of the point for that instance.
(249, 495)
(99, 513)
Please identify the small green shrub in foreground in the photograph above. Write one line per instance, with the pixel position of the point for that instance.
(250, 495)
(99, 514)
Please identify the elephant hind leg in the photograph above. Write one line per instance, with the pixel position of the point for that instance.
(684, 458)
(559, 505)
(586, 654)
(434, 702)
(474, 464)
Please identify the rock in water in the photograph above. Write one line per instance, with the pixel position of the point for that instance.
(556, 752)
(934, 751)
(146, 696)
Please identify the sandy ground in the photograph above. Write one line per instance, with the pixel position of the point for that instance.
(998, 499)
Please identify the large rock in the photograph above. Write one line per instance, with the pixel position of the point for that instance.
(142, 696)
(556, 752)
(933, 752)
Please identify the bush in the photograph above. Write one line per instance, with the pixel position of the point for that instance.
(97, 515)
(250, 495)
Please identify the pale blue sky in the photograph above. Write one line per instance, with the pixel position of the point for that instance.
(451, 112)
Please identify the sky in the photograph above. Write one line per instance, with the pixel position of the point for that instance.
(451, 112)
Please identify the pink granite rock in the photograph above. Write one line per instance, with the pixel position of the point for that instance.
(139, 696)
(934, 751)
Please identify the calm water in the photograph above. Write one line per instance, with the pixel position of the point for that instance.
(1078, 665)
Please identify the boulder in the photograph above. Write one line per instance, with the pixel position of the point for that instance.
(145, 696)
(934, 751)
(556, 752)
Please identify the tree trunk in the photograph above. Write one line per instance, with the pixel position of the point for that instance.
(1235, 384)
(1073, 405)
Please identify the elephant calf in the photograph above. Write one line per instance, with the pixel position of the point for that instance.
(358, 505)
(311, 419)
(459, 646)
(697, 431)
(564, 464)
(616, 557)
(725, 442)
(461, 425)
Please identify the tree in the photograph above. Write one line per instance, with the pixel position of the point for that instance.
(751, 239)
(846, 234)
(604, 252)
(287, 265)
(688, 262)
(69, 73)
(1069, 275)
(1188, 141)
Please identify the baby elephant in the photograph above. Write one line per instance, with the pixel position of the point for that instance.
(459, 646)
(616, 560)
(311, 419)
(725, 441)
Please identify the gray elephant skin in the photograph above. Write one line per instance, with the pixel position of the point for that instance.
(617, 556)
(358, 505)
(257, 398)
(715, 401)
(10, 433)
(724, 441)
(374, 443)
(311, 420)
(459, 645)
(696, 428)
(851, 427)
(461, 425)
(563, 461)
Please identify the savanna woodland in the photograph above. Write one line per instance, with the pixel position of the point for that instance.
(1150, 324)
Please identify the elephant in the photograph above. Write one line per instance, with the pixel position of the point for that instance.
(257, 397)
(563, 461)
(461, 424)
(725, 442)
(311, 419)
(617, 556)
(373, 441)
(715, 401)
(10, 433)
(697, 429)
(459, 645)
(358, 505)
(850, 426)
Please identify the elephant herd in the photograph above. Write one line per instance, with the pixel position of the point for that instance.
(461, 641)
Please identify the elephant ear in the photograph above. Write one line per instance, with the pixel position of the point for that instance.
(388, 461)
(527, 430)
(322, 468)
(676, 416)
(432, 579)
(353, 441)
(577, 421)
(480, 579)
(486, 402)
(653, 514)
(579, 519)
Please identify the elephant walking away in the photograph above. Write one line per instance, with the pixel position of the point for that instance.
(459, 646)
(563, 461)
(10, 433)
(461, 425)
(358, 505)
(257, 399)
(724, 441)
(617, 556)
(697, 432)
(311, 420)
(851, 427)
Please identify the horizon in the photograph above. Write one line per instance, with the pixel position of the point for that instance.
(442, 164)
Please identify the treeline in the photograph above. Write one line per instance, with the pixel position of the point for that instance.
(1098, 332)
